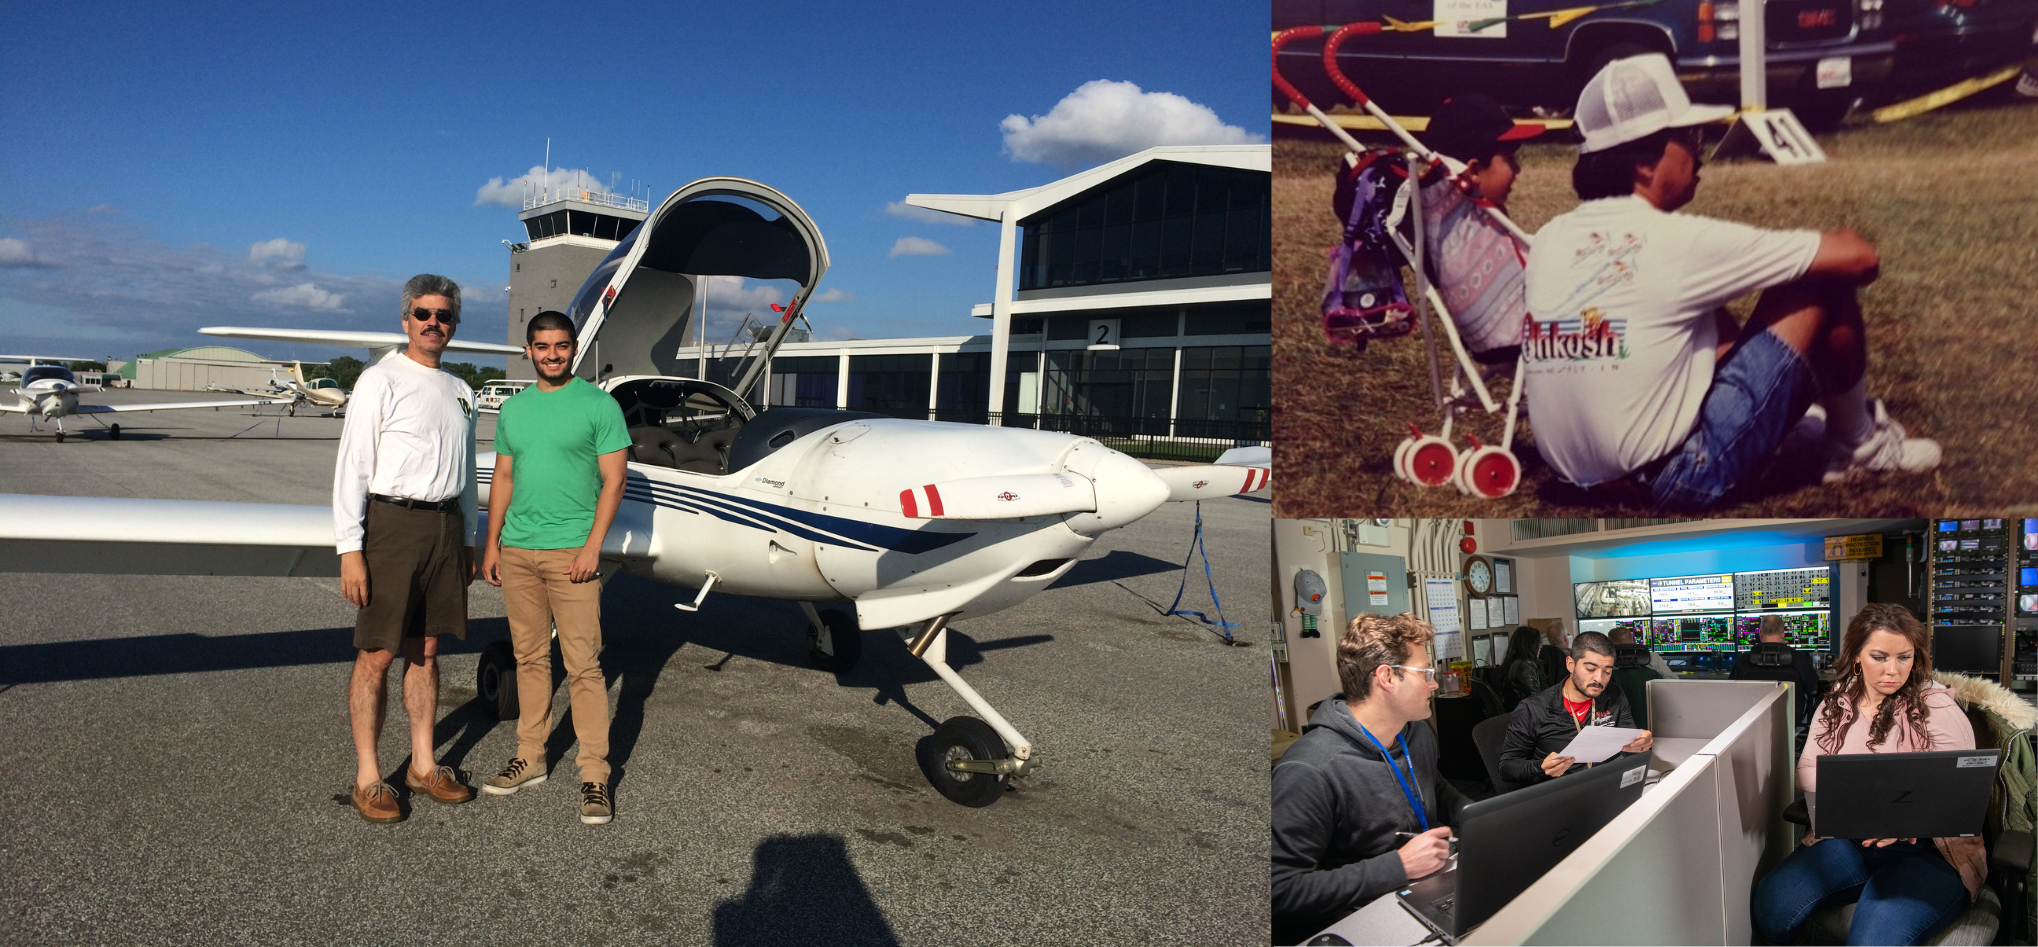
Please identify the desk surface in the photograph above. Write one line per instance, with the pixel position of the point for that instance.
(1383, 922)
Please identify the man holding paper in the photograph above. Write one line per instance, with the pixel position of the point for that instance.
(1550, 732)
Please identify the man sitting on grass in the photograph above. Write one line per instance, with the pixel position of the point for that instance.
(1635, 373)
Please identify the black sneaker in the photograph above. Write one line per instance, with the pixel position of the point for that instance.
(595, 807)
(518, 774)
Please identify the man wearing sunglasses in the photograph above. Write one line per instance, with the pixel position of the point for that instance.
(1359, 808)
(1637, 376)
(403, 517)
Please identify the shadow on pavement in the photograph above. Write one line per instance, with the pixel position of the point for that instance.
(803, 890)
(1117, 564)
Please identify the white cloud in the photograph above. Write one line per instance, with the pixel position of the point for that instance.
(917, 246)
(836, 295)
(278, 250)
(15, 253)
(511, 193)
(1103, 120)
(303, 294)
(926, 215)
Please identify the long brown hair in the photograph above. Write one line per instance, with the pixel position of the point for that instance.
(1850, 685)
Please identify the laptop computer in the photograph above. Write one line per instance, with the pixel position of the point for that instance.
(1935, 794)
(1507, 842)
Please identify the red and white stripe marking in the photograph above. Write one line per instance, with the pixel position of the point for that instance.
(1255, 478)
(916, 499)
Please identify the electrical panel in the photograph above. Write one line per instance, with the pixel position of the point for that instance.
(2025, 589)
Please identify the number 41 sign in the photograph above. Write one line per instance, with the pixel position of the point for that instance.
(1774, 133)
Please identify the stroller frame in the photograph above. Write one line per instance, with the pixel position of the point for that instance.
(1430, 460)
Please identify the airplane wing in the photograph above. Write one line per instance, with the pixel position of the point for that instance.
(164, 537)
(362, 340)
(178, 406)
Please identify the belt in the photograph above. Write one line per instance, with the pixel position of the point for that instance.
(436, 506)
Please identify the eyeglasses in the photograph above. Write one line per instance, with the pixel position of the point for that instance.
(445, 316)
(1429, 673)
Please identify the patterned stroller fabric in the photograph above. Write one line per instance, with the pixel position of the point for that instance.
(1363, 297)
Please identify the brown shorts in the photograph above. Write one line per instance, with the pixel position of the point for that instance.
(416, 585)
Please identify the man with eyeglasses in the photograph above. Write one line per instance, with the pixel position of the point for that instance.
(403, 519)
(1359, 808)
(1545, 724)
(1637, 376)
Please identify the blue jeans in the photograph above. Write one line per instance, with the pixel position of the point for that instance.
(1903, 893)
(1756, 396)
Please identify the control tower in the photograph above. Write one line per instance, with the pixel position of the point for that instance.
(569, 231)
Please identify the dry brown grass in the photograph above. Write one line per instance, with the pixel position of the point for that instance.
(1950, 200)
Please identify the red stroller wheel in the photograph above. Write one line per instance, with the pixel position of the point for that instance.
(1432, 461)
(1490, 472)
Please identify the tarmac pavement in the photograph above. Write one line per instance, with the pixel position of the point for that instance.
(177, 750)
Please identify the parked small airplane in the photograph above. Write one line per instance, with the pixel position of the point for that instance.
(909, 523)
(50, 392)
(297, 391)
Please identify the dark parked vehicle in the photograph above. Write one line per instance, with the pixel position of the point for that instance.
(1823, 54)
(1940, 42)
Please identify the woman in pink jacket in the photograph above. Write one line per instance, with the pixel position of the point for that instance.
(1883, 701)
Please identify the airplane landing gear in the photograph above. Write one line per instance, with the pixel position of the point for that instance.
(113, 431)
(969, 761)
(495, 680)
(961, 760)
(833, 640)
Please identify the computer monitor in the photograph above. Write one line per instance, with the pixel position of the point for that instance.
(1804, 631)
(1692, 633)
(1617, 598)
(1607, 627)
(1778, 589)
(1692, 593)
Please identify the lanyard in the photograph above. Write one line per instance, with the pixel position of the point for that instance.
(1413, 801)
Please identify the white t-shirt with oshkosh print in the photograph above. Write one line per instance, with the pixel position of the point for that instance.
(1618, 350)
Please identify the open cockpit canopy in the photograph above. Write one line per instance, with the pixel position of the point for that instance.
(635, 310)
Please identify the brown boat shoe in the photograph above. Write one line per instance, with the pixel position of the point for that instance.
(441, 786)
(377, 803)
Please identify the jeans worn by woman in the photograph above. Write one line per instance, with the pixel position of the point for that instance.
(1904, 892)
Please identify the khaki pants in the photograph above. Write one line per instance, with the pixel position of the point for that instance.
(537, 594)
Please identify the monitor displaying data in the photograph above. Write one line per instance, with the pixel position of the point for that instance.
(1783, 589)
(1692, 593)
(1620, 598)
(1811, 631)
(1607, 626)
(1692, 633)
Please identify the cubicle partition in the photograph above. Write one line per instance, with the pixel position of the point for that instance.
(1678, 865)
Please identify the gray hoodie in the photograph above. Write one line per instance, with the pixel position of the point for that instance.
(1336, 808)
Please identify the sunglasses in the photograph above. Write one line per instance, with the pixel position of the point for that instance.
(445, 316)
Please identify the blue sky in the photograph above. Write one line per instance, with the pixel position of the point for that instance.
(171, 166)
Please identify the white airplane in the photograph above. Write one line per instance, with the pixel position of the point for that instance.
(297, 391)
(911, 524)
(50, 392)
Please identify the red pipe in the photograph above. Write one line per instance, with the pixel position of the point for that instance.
(1330, 58)
(1281, 39)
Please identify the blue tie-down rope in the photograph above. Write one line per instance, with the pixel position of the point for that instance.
(1195, 547)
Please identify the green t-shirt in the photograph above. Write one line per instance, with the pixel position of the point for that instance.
(554, 438)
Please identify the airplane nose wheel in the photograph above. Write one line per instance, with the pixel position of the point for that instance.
(837, 644)
(113, 431)
(960, 741)
(495, 680)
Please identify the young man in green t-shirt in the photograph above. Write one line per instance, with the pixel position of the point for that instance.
(565, 444)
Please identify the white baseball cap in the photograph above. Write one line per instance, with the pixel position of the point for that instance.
(1633, 98)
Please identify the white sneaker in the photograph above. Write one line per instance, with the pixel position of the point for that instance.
(1885, 450)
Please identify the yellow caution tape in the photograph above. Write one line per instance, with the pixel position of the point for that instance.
(1944, 97)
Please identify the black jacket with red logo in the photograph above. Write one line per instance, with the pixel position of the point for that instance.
(1541, 726)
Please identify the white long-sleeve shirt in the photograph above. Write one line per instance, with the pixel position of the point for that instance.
(409, 433)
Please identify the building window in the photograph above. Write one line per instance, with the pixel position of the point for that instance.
(1241, 320)
(804, 382)
(890, 384)
(1129, 383)
(1171, 220)
(1226, 383)
(965, 384)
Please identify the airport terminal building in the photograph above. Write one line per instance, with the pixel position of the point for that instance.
(1132, 299)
